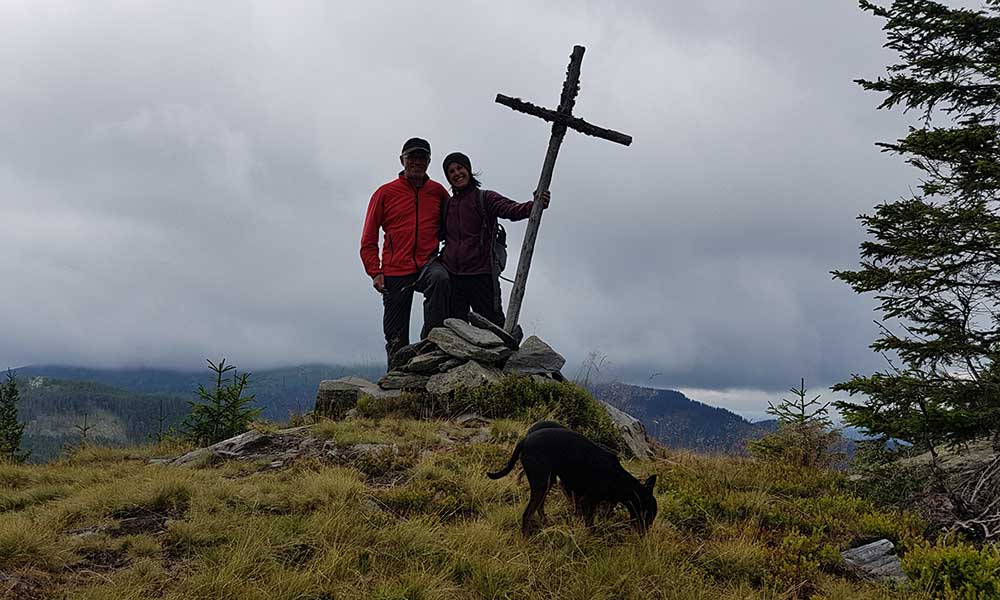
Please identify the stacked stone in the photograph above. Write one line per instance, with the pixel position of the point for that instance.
(468, 354)
(460, 354)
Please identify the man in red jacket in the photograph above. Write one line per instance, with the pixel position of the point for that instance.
(408, 210)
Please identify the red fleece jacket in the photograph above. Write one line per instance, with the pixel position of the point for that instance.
(409, 218)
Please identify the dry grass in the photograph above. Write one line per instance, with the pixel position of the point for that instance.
(728, 528)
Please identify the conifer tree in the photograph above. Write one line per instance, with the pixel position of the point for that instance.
(805, 435)
(10, 429)
(222, 412)
(932, 259)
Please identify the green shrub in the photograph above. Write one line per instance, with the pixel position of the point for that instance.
(881, 474)
(527, 398)
(954, 570)
(520, 398)
(805, 436)
(798, 557)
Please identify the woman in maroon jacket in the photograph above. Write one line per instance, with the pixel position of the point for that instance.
(469, 227)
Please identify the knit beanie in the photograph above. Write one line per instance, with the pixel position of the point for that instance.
(460, 159)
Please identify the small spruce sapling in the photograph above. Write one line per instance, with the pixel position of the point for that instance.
(84, 430)
(222, 412)
(805, 435)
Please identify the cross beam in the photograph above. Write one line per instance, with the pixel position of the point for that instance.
(569, 121)
(562, 119)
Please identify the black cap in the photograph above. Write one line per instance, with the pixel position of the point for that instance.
(416, 144)
(460, 159)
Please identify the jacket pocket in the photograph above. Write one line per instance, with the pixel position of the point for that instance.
(387, 252)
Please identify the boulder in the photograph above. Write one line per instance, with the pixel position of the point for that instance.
(455, 345)
(483, 323)
(875, 562)
(534, 357)
(245, 446)
(469, 375)
(472, 334)
(427, 363)
(337, 396)
(632, 430)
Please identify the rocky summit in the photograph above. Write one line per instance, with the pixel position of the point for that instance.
(465, 355)
(461, 354)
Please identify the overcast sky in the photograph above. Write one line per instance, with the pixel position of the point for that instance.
(182, 180)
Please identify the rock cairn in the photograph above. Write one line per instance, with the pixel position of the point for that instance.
(461, 354)
(468, 354)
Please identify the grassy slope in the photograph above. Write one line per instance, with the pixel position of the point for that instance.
(423, 522)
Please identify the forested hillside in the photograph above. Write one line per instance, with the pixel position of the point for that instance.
(677, 421)
(58, 413)
(277, 391)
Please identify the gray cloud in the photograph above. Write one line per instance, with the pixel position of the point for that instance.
(183, 181)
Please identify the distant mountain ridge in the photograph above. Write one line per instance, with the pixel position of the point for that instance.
(124, 405)
(677, 421)
(278, 391)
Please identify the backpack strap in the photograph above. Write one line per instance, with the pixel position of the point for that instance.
(443, 223)
(490, 224)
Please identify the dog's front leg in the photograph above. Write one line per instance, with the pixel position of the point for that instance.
(589, 508)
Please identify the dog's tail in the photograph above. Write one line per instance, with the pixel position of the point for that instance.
(510, 463)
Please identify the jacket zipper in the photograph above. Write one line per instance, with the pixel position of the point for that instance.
(416, 224)
(460, 228)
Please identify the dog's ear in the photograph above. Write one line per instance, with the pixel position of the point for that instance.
(649, 483)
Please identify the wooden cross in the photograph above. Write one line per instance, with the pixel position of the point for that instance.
(561, 118)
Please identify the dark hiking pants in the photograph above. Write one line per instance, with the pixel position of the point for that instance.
(481, 293)
(433, 283)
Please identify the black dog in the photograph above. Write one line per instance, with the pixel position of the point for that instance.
(573, 497)
(544, 425)
(589, 473)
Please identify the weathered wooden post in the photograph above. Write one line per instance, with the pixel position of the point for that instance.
(561, 118)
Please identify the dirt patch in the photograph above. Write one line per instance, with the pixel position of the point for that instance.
(19, 586)
(99, 560)
(138, 520)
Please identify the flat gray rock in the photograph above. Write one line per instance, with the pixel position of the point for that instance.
(398, 380)
(482, 322)
(534, 357)
(470, 375)
(473, 334)
(875, 562)
(344, 383)
(452, 343)
(451, 364)
(472, 418)
(234, 446)
(427, 363)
